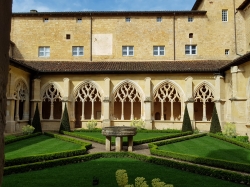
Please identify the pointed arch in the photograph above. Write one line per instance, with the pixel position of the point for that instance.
(168, 95)
(21, 96)
(51, 96)
(127, 98)
(88, 96)
(204, 97)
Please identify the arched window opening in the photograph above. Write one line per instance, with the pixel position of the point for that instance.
(52, 103)
(87, 103)
(127, 103)
(203, 106)
(20, 94)
(167, 102)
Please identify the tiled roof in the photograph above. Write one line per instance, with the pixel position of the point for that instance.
(124, 67)
(111, 13)
(196, 4)
(244, 5)
(238, 61)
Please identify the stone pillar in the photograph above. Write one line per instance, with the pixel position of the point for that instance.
(106, 103)
(189, 100)
(218, 96)
(26, 109)
(108, 143)
(130, 143)
(66, 100)
(148, 103)
(10, 110)
(36, 97)
(118, 144)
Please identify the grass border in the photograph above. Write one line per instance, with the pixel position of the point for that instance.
(198, 169)
(196, 159)
(50, 156)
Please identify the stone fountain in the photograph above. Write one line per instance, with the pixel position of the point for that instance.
(119, 132)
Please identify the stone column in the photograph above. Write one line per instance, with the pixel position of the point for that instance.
(148, 103)
(130, 143)
(106, 103)
(36, 97)
(118, 144)
(189, 100)
(219, 92)
(66, 100)
(108, 143)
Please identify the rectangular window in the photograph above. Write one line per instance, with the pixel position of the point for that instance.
(224, 15)
(68, 36)
(159, 50)
(128, 19)
(226, 51)
(78, 20)
(190, 49)
(190, 19)
(77, 51)
(45, 20)
(159, 19)
(44, 51)
(127, 50)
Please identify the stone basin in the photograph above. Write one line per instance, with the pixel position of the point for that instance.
(119, 131)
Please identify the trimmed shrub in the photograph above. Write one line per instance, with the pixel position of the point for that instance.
(65, 125)
(36, 122)
(27, 129)
(215, 123)
(229, 130)
(139, 124)
(91, 125)
(186, 124)
(18, 138)
(242, 139)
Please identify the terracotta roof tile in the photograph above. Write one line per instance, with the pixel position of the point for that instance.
(124, 67)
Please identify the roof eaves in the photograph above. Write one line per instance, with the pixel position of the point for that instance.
(197, 4)
(238, 61)
(243, 5)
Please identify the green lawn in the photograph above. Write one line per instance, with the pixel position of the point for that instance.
(81, 174)
(37, 145)
(210, 147)
(138, 136)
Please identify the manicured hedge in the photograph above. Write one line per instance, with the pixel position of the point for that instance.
(142, 130)
(51, 156)
(198, 169)
(18, 138)
(230, 140)
(196, 159)
(136, 142)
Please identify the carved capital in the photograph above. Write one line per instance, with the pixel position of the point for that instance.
(106, 99)
(147, 99)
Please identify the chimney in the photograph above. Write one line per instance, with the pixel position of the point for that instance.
(33, 11)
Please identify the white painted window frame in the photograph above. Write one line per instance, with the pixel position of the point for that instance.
(44, 51)
(127, 50)
(189, 49)
(77, 50)
(224, 15)
(159, 50)
(159, 19)
(190, 19)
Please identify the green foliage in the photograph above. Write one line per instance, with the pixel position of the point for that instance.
(18, 138)
(158, 183)
(215, 123)
(229, 130)
(36, 123)
(91, 125)
(139, 124)
(196, 159)
(65, 124)
(242, 139)
(27, 129)
(186, 124)
(121, 177)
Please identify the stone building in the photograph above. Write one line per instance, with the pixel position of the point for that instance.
(116, 66)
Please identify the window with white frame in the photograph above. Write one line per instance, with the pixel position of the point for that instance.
(77, 51)
(224, 15)
(45, 20)
(78, 20)
(127, 50)
(190, 19)
(226, 51)
(128, 19)
(190, 49)
(44, 51)
(159, 19)
(159, 50)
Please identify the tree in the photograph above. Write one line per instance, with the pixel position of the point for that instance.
(215, 123)
(5, 20)
(36, 122)
(186, 124)
(65, 125)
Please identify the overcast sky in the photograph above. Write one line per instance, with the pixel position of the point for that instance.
(100, 5)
